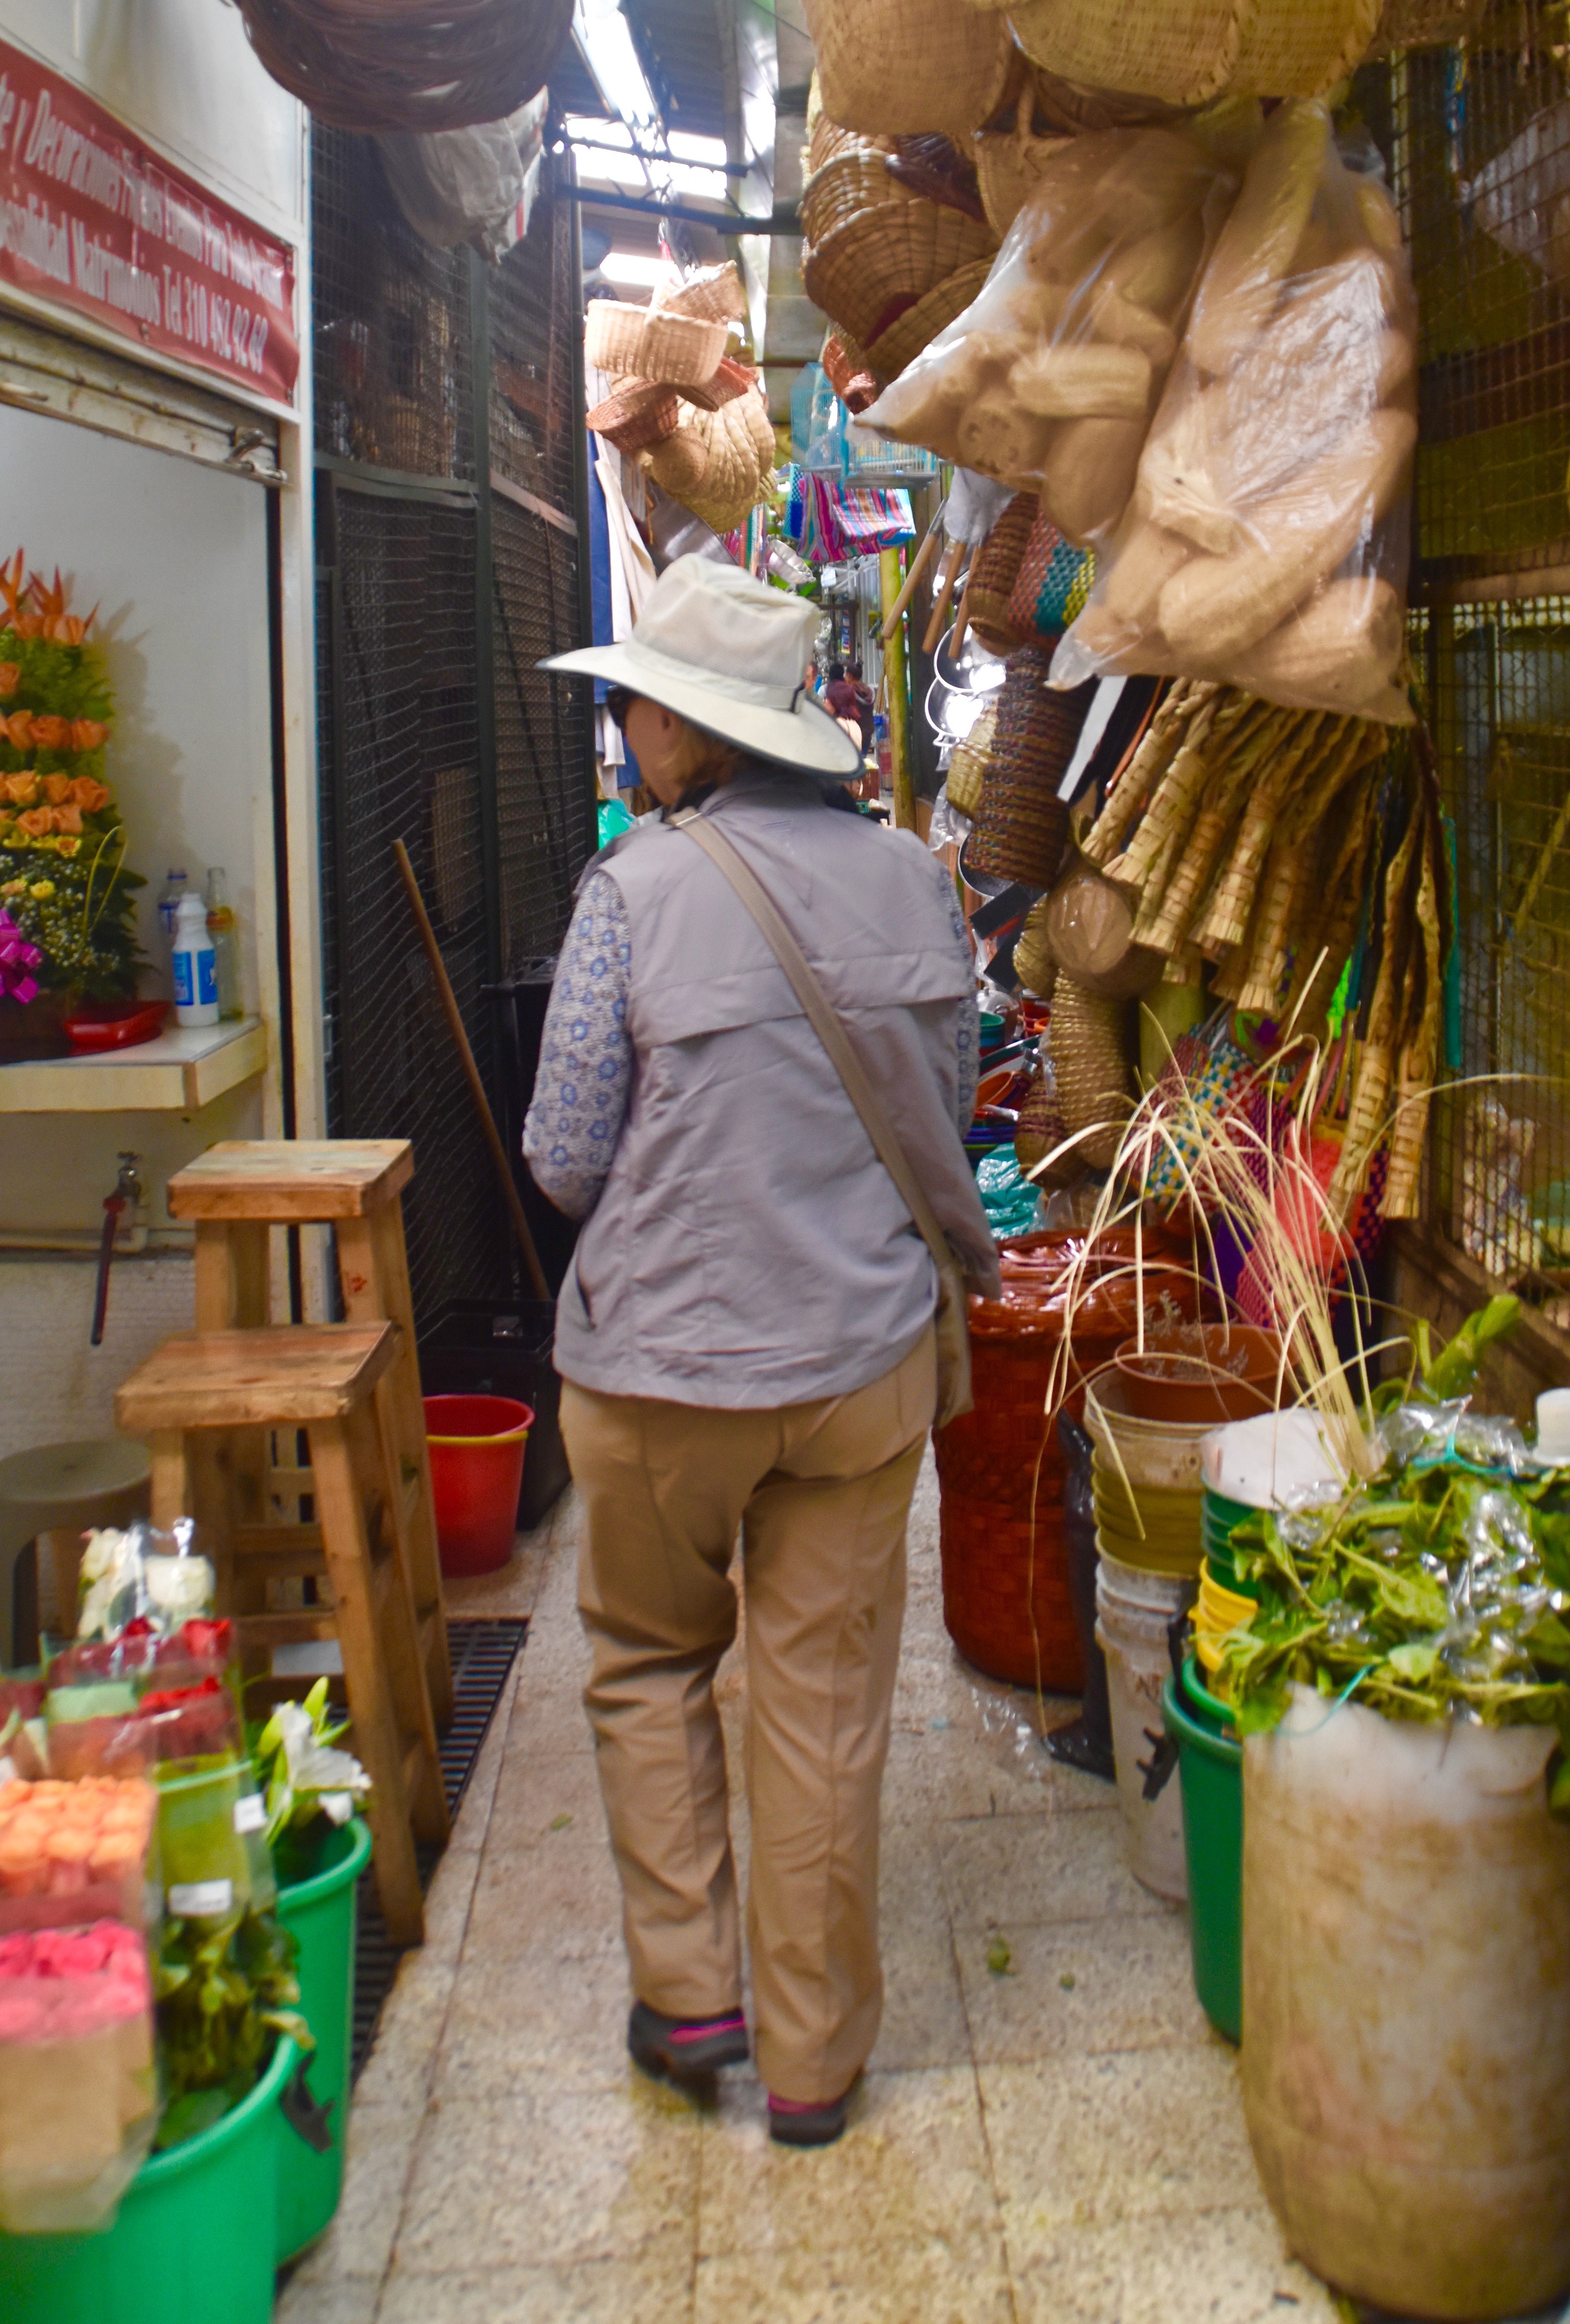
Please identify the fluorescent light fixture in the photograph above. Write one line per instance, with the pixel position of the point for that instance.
(610, 168)
(607, 41)
(710, 185)
(637, 267)
(688, 147)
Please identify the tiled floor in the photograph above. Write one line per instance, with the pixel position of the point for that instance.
(1062, 2143)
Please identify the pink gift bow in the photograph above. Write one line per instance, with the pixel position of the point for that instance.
(17, 958)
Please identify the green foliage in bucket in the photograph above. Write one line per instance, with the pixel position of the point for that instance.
(226, 1990)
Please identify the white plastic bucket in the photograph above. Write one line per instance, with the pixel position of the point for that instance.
(1134, 1610)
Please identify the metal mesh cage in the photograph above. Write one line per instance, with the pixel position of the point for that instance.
(390, 322)
(400, 760)
(1479, 144)
(532, 408)
(545, 807)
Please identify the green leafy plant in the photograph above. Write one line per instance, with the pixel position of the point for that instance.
(226, 1990)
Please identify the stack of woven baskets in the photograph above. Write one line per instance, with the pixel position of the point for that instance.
(419, 65)
(690, 414)
(1023, 829)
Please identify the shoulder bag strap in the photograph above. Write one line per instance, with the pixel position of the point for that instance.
(821, 1016)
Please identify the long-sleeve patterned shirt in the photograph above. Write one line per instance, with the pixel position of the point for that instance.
(584, 1078)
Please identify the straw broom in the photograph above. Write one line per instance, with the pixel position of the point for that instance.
(1402, 1198)
(1226, 920)
(1177, 907)
(1367, 1114)
(1166, 821)
(1163, 739)
(1285, 892)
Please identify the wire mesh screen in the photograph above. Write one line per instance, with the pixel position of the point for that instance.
(545, 805)
(1479, 140)
(390, 322)
(532, 307)
(403, 762)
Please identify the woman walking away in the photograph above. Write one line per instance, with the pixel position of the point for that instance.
(746, 1335)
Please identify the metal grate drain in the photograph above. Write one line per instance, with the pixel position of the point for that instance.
(482, 1653)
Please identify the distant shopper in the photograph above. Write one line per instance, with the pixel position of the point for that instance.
(840, 694)
(745, 1334)
(865, 705)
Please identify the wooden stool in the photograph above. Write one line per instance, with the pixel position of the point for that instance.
(234, 1193)
(193, 1401)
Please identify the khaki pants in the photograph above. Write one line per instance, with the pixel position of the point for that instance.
(820, 1492)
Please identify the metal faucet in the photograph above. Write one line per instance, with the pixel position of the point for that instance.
(127, 1194)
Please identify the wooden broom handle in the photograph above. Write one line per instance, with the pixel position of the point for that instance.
(962, 620)
(454, 1025)
(944, 598)
(918, 564)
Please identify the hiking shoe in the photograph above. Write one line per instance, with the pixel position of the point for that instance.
(686, 2049)
(792, 2124)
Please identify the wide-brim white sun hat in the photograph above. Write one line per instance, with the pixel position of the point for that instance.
(729, 655)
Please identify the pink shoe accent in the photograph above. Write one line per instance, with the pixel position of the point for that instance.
(704, 2029)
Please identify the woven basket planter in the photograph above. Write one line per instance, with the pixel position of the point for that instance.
(886, 258)
(1187, 52)
(637, 417)
(919, 324)
(968, 767)
(683, 350)
(896, 67)
(1085, 1041)
(853, 181)
(417, 65)
(1022, 830)
(613, 332)
(995, 573)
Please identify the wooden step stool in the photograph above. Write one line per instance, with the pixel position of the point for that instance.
(234, 1193)
(194, 1400)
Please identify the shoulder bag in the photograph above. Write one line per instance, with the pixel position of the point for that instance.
(949, 1320)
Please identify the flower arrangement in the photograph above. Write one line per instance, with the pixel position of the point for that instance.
(65, 889)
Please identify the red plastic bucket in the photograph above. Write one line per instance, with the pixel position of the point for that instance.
(476, 1471)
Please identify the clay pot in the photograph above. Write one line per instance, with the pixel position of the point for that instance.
(1190, 1375)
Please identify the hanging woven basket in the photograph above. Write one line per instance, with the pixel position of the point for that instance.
(896, 67)
(1184, 52)
(1084, 1041)
(417, 65)
(919, 324)
(996, 570)
(1035, 962)
(1041, 1126)
(848, 372)
(855, 180)
(968, 767)
(1023, 829)
(613, 333)
(886, 258)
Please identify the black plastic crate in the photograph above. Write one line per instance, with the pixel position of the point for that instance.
(484, 1347)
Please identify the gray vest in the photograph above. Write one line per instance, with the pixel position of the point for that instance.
(748, 1249)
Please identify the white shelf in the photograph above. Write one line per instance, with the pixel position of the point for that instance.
(179, 1071)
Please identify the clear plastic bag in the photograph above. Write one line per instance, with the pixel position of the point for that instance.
(72, 1853)
(144, 1579)
(1266, 543)
(79, 2092)
(1048, 379)
(125, 1706)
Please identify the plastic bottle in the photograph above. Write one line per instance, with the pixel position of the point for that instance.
(196, 967)
(226, 937)
(169, 903)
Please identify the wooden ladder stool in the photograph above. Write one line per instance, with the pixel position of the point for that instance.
(236, 1193)
(205, 1393)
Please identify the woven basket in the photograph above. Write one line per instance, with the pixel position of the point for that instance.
(1054, 580)
(612, 333)
(683, 350)
(936, 169)
(896, 67)
(1041, 1128)
(1004, 1562)
(968, 767)
(636, 417)
(857, 180)
(995, 571)
(1007, 167)
(1426, 25)
(1085, 1041)
(713, 295)
(1035, 962)
(826, 140)
(730, 380)
(1188, 52)
(887, 257)
(1022, 830)
(919, 324)
(852, 377)
(418, 65)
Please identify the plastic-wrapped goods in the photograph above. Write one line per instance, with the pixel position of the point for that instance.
(212, 1842)
(142, 1578)
(78, 2101)
(1266, 543)
(1407, 2005)
(75, 1852)
(124, 1706)
(1048, 379)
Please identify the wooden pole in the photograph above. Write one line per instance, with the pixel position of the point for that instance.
(944, 598)
(918, 564)
(962, 620)
(898, 697)
(454, 1025)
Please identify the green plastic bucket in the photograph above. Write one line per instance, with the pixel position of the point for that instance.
(194, 2241)
(320, 1915)
(1210, 1767)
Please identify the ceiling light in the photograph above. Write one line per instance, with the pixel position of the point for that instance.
(638, 267)
(688, 147)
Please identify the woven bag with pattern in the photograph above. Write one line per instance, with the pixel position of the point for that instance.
(1054, 581)
(902, 67)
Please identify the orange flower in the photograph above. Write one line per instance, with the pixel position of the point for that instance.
(19, 728)
(37, 821)
(67, 819)
(10, 678)
(52, 733)
(66, 629)
(11, 588)
(57, 788)
(20, 789)
(89, 795)
(87, 734)
(67, 846)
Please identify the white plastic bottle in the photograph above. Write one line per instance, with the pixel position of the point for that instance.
(196, 967)
(169, 902)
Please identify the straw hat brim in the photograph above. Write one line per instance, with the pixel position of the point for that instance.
(804, 735)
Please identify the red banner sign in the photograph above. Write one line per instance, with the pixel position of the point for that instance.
(90, 219)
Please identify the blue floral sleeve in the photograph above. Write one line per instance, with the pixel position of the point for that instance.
(586, 1057)
(968, 1033)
